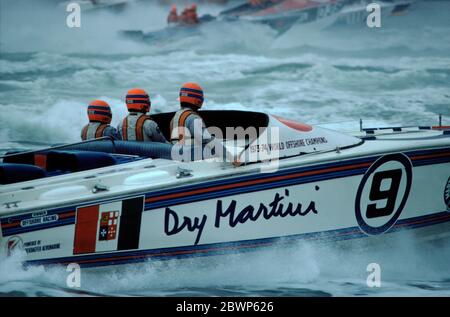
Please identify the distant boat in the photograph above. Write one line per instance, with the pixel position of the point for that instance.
(280, 17)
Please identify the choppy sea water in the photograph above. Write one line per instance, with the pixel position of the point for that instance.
(304, 269)
(398, 74)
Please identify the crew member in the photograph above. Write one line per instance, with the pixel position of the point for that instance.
(173, 15)
(187, 126)
(192, 16)
(99, 114)
(138, 126)
(189, 15)
(191, 100)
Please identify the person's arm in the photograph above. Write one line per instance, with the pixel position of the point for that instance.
(119, 131)
(114, 133)
(84, 132)
(196, 126)
(152, 130)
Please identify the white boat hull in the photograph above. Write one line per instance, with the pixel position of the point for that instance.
(359, 193)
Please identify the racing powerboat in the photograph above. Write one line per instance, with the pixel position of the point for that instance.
(105, 202)
(279, 16)
(282, 15)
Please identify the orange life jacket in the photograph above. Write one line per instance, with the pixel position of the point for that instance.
(172, 18)
(139, 128)
(98, 132)
(179, 136)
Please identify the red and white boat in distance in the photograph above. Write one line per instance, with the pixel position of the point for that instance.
(110, 203)
(282, 15)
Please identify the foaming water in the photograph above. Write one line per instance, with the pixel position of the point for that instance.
(304, 269)
(46, 28)
(54, 89)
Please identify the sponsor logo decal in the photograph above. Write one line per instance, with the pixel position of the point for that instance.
(13, 243)
(38, 220)
(36, 246)
(231, 216)
(382, 193)
(39, 214)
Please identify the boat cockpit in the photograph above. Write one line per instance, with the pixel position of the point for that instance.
(249, 136)
(70, 158)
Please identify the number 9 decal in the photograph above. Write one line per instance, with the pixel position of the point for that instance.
(382, 193)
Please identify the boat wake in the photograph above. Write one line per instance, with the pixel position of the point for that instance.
(407, 269)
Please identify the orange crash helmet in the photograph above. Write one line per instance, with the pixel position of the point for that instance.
(137, 100)
(191, 93)
(99, 111)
